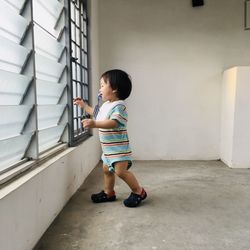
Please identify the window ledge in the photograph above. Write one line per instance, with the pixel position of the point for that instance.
(15, 173)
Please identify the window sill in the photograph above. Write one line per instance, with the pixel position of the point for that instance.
(18, 171)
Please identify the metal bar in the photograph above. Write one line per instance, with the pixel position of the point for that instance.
(87, 46)
(23, 7)
(80, 51)
(32, 151)
(31, 143)
(25, 33)
(69, 76)
(63, 71)
(83, 83)
(75, 64)
(28, 57)
(65, 131)
(75, 68)
(59, 17)
(27, 119)
(64, 90)
(64, 110)
(26, 91)
(62, 53)
(61, 34)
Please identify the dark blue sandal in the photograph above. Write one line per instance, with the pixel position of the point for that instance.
(102, 197)
(135, 199)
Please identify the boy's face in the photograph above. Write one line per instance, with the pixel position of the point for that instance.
(108, 94)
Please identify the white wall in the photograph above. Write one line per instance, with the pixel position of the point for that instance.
(176, 55)
(227, 114)
(29, 204)
(241, 146)
(235, 134)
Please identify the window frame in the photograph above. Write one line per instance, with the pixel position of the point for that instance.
(85, 134)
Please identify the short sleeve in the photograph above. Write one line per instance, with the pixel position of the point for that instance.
(119, 113)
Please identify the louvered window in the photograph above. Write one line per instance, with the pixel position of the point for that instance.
(35, 77)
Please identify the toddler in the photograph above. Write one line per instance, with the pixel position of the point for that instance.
(115, 87)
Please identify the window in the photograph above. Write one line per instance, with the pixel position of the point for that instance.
(79, 63)
(39, 77)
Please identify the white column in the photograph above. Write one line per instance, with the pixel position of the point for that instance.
(235, 117)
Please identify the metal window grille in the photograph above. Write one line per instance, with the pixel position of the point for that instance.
(78, 26)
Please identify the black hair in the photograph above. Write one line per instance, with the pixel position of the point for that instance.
(120, 81)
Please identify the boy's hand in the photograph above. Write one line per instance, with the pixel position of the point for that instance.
(78, 101)
(89, 123)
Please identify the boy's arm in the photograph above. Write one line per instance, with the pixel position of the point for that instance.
(78, 101)
(90, 123)
(88, 109)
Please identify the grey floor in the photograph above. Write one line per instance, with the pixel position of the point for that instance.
(190, 205)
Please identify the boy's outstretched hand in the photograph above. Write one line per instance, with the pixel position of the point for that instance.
(106, 124)
(78, 101)
(89, 123)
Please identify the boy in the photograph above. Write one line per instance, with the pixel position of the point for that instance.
(115, 87)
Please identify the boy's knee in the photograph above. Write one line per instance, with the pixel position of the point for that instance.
(121, 169)
(105, 169)
(120, 172)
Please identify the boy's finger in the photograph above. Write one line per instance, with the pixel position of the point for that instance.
(77, 99)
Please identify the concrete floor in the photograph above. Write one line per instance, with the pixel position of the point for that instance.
(191, 205)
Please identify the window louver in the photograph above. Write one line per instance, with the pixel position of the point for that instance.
(43, 65)
(33, 78)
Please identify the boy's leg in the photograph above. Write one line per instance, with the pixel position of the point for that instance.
(109, 180)
(108, 194)
(122, 171)
(138, 193)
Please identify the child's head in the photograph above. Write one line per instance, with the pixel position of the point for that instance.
(119, 81)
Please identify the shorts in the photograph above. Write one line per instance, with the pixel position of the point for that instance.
(111, 162)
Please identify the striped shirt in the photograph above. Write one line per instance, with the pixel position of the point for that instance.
(115, 142)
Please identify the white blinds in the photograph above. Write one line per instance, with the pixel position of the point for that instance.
(33, 78)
